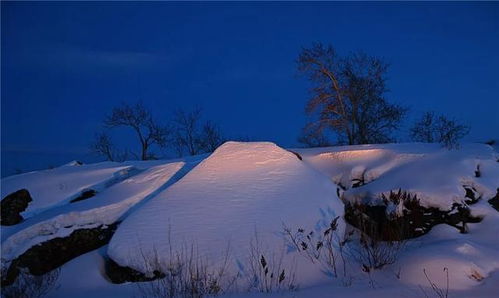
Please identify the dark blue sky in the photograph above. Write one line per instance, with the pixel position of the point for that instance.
(65, 65)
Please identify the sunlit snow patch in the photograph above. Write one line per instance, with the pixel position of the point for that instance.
(241, 190)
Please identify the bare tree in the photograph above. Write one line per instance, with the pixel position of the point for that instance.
(432, 128)
(424, 129)
(313, 137)
(191, 137)
(211, 137)
(348, 95)
(103, 145)
(187, 131)
(322, 67)
(243, 138)
(140, 120)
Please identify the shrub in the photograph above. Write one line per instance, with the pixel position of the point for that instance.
(323, 248)
(30, 286)
(267, 272)
(382, 229)
(185, 274)
(373, 253)
(400, 215)
(438, 291)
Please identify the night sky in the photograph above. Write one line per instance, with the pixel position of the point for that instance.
(65, 65)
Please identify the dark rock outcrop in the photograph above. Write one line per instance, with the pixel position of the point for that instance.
(471, 196)
(494, 202)
(297, 154)
(478, 174)
(119, 274)
(12, 205)
(49, 255)
(86, 194)
(416, 220)
(358, 182)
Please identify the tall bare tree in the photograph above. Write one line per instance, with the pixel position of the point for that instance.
(138, 118)
(348, 95)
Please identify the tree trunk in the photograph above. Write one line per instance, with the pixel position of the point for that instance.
(144, 151)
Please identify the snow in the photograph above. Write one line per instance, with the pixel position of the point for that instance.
(91, 266)
(105, 208)
(247, 190)
(436, 175)
(60, 185)
(469, 260)
(242, 188)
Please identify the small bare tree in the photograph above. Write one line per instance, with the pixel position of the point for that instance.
(211, 137)
(187, 131)
(191, 137)
(433, 128)
(140, 120)
(103, 145)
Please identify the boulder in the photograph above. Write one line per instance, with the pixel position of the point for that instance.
(120, 274)
(86, 194)
(49, 255)
(494, 202)
(12, 205)
(416, 220)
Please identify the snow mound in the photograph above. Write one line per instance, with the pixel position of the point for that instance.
(241, 190)
(436, 175)
(439, 177)
(469, 260)
(73, 163)
(58, 186)
(105, 209)
(245, 193)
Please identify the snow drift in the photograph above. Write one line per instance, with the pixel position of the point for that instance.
(241, 190)
(244, 191)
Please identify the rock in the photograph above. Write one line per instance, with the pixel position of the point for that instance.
(471, 196)
(494, 202)
(416, 220)
(297, 154)
(51, 254)
(74, 163)
(478, 174)
(84, 195)
(357, 182)
(120, 274)
(12, 205)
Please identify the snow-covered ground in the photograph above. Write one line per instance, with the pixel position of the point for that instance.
(245, 193)
(241, 192)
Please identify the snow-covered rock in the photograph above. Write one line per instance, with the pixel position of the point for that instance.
(242, 189)
(436, 175)
(104, 209)
(245, 191)
(51, 188)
